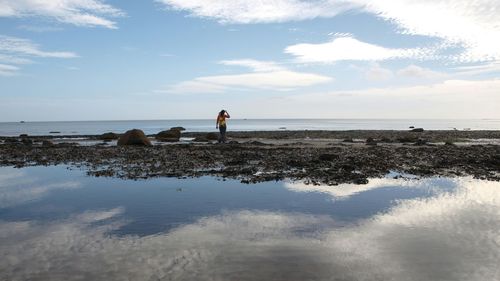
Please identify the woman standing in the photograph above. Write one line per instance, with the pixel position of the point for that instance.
(221, 125)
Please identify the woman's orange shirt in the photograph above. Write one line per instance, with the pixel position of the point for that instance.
(221, 120)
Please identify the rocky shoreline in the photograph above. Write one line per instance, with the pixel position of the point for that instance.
(317, 157)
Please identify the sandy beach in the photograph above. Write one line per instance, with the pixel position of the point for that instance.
(316, 157)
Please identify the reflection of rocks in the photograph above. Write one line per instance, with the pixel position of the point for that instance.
(450, 237)
(134, 137)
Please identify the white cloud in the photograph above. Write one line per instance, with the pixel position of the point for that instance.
(244, 11)
(8, 70)
(378, 73)
(415, 71)
(76, 12)
(279, 80)
(193, 87)
(446, 99)
(39, 28)
(452, 236)
(349, 48)
(24, 47)
(255, 65)
(474, 24)
(479, 68)
(266, 75)
(15, 51)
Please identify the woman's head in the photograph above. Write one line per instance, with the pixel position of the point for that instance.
(222, 112)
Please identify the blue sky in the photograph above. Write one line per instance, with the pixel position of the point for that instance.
(177, 59)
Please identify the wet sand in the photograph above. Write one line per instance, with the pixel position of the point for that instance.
(317, 157)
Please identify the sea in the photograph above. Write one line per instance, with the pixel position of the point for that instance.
(206, 125)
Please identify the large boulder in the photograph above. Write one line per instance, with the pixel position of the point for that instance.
(421, 142)
(207, 137)
(172, 135)
(134, 137)
(371, 141)
(47, 143)
(109, 136)
(178, 128)
(417, 130)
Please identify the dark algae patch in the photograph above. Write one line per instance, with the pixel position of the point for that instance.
(255, 161)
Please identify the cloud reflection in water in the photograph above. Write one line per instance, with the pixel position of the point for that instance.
(16, 187)
(346, 190)
(453, 236)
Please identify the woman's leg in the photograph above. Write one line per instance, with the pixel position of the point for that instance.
(222, 137)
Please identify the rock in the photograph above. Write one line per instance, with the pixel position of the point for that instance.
(11, 140)
(256, 143)
(169, 135)
(67, 144)
(348, 140)
(23, 135)
(212, 136)
(412, 127)
(370, 141)
(54, 132)
(200, 139)
(385, 139)
(361, 181)
(421, 142)
(109, 136)
(449, 143)
(180, 129)
(208, 137)
(328, 157)
(134, 137)
(417, 130)
(47, 143)
(27, 141)
(407, 139)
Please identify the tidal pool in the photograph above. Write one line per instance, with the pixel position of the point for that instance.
(59, 224)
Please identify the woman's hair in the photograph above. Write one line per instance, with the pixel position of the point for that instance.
(222, 112)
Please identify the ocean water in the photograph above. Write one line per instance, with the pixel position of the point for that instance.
(155, 126)
(59, 224)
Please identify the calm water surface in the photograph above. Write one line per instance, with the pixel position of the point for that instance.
(58, 224)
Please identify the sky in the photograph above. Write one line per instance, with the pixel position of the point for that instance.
(188, 59)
